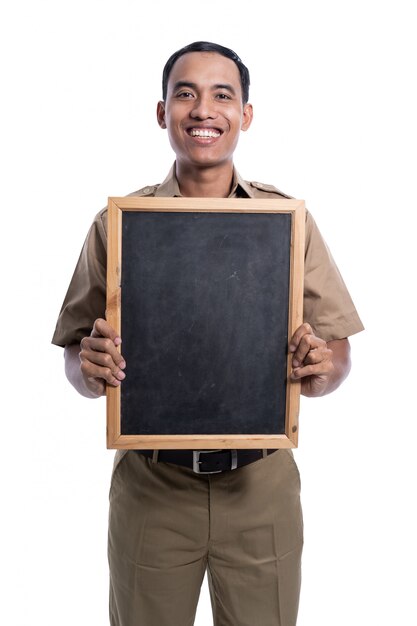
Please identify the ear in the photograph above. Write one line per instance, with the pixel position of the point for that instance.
(160, 114)
(247, 116)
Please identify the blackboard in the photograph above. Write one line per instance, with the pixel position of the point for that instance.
(202, 292)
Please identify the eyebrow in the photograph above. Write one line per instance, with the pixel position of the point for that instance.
(183, 83)
(227, 87)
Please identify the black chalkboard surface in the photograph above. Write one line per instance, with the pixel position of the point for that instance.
(204, 307)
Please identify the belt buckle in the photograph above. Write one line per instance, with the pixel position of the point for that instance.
(196, 461)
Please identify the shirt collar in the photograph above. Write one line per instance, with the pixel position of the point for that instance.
(169, 188)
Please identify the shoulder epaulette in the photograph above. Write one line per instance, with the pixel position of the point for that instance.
(269, 189)
(145, 191)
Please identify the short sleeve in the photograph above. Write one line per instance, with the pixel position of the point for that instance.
(328, 306)
(85, 300)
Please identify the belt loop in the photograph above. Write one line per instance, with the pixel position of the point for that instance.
(264, 454)
(155, 456)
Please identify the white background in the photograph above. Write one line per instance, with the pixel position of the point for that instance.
(333, 89)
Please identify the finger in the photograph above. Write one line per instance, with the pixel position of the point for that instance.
(92, 371)
(102, 328)
(298, 335)
(102, 345)
(318, 355)
(322, 369)
(103, 360)
(307, 344)
(96, 386)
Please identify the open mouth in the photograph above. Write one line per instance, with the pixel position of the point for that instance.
(205, 133)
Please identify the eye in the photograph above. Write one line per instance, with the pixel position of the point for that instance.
(184, 94)
(223, 96)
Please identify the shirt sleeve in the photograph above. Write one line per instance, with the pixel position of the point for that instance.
(328, 306)
(85, 300)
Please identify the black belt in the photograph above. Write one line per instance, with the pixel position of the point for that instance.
(207, 461)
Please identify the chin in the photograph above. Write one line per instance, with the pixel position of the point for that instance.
(208, 160)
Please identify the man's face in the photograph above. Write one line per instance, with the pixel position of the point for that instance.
(203, 111)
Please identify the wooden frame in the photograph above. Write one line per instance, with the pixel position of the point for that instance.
(116, 209)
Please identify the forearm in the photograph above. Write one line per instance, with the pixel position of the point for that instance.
(74, 373)
(320, 367)
(341, 365)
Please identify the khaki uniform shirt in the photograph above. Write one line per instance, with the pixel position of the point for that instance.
(327, 304)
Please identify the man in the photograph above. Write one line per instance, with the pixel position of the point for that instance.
(168, 524)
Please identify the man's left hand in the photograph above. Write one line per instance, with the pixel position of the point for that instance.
(320, 366)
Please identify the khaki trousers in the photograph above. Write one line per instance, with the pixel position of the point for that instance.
(168, 525)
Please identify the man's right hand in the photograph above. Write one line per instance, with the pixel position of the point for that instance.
(98, 361)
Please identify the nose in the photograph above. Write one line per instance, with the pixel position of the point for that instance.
(203, 108)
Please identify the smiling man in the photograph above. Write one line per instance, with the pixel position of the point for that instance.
(238, 516)
(204, 111)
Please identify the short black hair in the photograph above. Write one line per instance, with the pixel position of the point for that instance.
(207, 46)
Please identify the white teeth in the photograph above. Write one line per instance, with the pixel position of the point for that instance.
(204, 133)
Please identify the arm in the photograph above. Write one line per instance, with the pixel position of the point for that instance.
(320, 366)
(96, 361)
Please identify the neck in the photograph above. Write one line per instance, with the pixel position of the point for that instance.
(208, 182)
